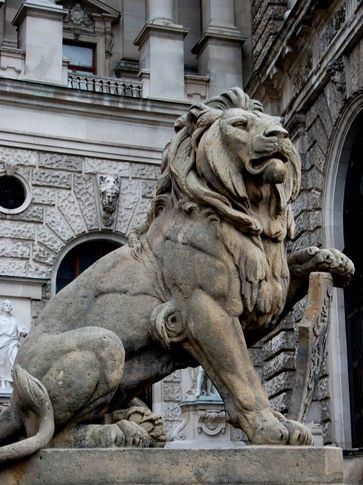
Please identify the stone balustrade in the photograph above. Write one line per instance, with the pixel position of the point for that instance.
(104, 85)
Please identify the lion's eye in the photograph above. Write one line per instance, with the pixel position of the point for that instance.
(241, 123)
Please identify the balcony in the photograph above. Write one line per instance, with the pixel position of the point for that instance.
(103, 85)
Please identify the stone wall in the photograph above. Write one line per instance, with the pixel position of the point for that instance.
(311, 72)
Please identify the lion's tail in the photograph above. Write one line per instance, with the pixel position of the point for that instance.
(32, 397)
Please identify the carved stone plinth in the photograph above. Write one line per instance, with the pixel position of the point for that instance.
(250, 465)
(204, 425)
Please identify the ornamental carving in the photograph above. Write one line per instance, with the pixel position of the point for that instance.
(109, 194)
(332, 28)
(78, 18)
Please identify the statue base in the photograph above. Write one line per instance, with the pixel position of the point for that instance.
(268, 465)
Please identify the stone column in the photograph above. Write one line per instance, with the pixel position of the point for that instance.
(219, 50)
(40, 36)
(161, 49)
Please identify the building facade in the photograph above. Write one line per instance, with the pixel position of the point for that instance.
(90, 91)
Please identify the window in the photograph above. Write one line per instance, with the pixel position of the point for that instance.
(14, 194)
(80, 258)
(81, 56)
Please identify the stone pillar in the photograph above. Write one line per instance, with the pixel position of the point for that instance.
(219, 50)
(161, 49)
(40, 36)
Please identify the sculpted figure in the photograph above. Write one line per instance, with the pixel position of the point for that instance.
(205, 277)
(11, 330)
(109, 193)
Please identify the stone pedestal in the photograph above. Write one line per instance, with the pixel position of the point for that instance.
(256, 465)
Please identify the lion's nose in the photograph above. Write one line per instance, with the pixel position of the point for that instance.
(276, 131)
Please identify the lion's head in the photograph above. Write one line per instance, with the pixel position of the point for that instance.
(229, 155)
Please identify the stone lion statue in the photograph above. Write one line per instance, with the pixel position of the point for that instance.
(205, 277)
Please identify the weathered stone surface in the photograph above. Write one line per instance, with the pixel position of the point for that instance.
(307, 200)
(49, 239)
(56, 222)
(17, 156)
(17, 230)
(139, 214)
(68, 205)
(13, 267)
(171, 391)
(52, 178)
(60, 161)
(281, 341)
(34, 213)
(38, 270)
(99, 166)
(279, 363)
(42, 195)
(148, 188)
(279, 383)
(42, 255)
(143, 171)
(280, 402)
(129, 197)
(245, 466)
(14, 249)
(84, 189)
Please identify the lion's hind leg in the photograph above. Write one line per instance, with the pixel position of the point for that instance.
(85, 368)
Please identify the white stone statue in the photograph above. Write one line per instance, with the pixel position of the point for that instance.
(11, 331)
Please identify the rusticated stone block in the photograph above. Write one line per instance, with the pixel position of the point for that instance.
(174, 377)
(109, 167)
(52, 178)
(280, 402)
(281, 382)
(42, 255)
(308, 221)
(17, 156)
(307, 200)
(68, 205)
(139, 216)
(13, 267)
(281, 362)
(257, 465)
(42, 195)
(55, 220)
(37, 270)
(143, 171)
(11, 248)
(34, 213)
(129, 197)
(282, 341)
(84, 189)
(17, 230)
(60, 161)
(308, 238)
(49, 239)
(171, 411)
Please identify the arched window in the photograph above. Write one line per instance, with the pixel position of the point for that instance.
(353, 294)
(80, 258)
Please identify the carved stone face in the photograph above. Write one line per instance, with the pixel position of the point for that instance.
(6, 307)
(109, 191)
(259, 141)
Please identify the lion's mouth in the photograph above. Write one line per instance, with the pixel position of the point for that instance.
(258, 165)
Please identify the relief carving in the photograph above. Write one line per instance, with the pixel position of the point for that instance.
(109, 186)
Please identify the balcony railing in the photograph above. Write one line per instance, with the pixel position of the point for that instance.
(103, 85)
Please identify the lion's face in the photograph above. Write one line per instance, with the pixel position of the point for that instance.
(257, 143)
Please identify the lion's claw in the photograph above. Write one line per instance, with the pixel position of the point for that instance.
(307, 260)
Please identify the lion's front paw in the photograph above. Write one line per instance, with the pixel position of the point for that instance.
(274, 429)
(307, 260)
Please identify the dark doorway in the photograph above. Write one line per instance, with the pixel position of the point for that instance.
(353, 295)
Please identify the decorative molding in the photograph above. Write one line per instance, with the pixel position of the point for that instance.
(211, 422)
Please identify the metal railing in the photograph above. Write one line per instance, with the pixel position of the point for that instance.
(103, 85)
